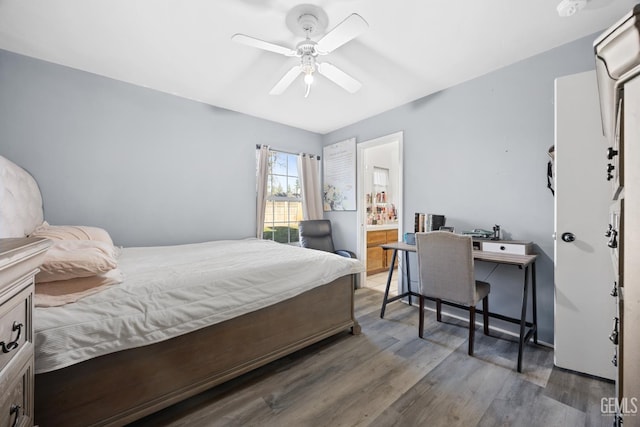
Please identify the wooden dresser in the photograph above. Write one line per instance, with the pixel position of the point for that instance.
(19, 262)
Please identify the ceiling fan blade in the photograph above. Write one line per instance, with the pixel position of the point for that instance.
(286, 80)
(350, 28)
(339, 77)
(261, 44)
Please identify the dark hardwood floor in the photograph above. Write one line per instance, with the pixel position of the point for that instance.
(387, 376)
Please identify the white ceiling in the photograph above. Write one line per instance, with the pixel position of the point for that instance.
(412, 47)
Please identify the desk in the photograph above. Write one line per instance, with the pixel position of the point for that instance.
(527, 329)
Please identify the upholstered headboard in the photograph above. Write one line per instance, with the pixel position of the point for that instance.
(20, 201)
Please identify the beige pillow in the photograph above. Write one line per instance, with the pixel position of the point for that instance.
(71, 232)
(53, 294)
(68, 259)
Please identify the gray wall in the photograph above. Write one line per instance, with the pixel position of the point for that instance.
(477, 153)
(151, 168)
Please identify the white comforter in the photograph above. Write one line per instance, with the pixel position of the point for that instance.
(172, 290)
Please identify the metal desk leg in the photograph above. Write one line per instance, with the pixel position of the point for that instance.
(386, 291)
(406, 261)
(523, 317)
(534, 302)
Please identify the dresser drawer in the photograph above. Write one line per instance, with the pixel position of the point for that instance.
(16, 400)
(15, 324)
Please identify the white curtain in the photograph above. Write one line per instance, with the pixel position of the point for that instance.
(262, 171)
(309, 169)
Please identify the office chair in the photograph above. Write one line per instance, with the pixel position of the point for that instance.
(445, 269)
(316, 234)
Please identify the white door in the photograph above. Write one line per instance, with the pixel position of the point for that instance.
(584, 310)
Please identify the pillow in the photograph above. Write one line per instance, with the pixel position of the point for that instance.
(71, 232)
(68, 259)
(54, 294)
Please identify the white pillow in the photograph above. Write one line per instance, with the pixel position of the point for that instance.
(71, 232)
(68, 259)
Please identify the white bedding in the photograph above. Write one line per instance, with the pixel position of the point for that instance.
(171, 290)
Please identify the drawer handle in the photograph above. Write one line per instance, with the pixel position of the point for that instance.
(614, 334)
(613, 240)
(15, 411)
(6, 348)
(609, 231)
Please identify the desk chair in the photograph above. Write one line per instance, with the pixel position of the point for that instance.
(316, 234)
(445, 269)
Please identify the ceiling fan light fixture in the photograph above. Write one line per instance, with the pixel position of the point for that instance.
(308, 64)
(308, 78)
(308, 70)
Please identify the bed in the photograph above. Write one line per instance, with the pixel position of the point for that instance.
(184, 319)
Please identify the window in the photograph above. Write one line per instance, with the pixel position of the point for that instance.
(283, 209)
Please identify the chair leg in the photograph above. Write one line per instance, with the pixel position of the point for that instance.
(472, 328)
(438, 310)
(485, 314)
(421, 318)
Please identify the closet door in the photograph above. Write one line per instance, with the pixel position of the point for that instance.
(584, 310)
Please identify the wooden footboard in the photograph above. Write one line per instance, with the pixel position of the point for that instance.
(122, 387)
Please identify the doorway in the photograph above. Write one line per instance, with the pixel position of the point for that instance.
(380, 197)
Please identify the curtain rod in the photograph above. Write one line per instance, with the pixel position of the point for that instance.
(288, 152)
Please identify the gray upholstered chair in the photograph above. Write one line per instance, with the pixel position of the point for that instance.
(316, 234)
(446, 273)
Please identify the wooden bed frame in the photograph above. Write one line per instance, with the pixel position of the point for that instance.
(122, 387)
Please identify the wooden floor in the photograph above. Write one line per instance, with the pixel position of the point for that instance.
(387, 376)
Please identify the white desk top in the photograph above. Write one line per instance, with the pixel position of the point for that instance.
(498, 257)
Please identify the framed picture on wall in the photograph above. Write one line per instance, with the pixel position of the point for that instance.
(339, 176)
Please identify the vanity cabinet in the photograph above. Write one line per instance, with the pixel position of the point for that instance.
(379, 260)
(19, 262)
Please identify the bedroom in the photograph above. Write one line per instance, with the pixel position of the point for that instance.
(158, 169)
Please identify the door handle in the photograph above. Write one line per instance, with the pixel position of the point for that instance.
(568, 237)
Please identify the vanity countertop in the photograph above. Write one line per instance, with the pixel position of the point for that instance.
(390, 226)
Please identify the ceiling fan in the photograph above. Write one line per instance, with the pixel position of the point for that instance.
(308, 20)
